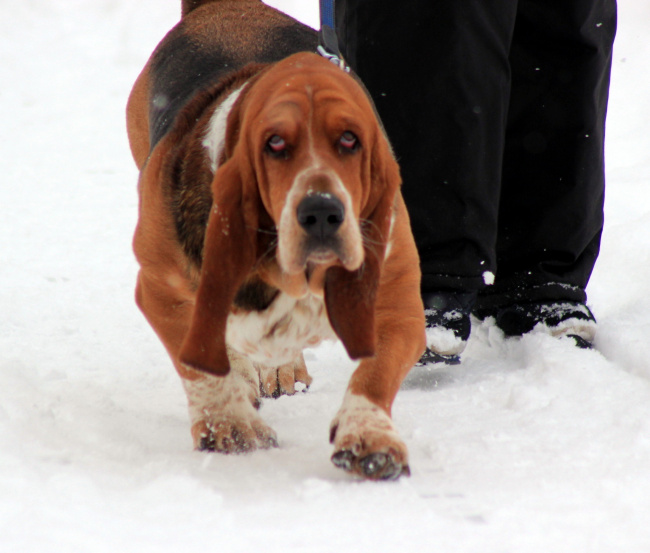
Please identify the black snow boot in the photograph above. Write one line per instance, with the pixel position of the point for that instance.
(558, 318)
(448, 325)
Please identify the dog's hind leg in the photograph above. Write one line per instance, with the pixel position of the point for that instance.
(277, 381)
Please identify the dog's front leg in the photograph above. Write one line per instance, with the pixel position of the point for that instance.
(364, 437)
(365, 440)
(223, 409)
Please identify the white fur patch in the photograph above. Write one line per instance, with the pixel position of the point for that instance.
(231, 394)
(223, 409)
(278, 334)
(358, 416)
(215, 137)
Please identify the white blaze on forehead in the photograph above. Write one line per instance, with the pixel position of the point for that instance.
(215, 138)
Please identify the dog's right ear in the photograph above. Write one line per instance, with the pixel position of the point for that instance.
(230, 248)
(229, 254)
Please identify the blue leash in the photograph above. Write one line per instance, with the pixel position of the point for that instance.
(328, 46)
(327, 13)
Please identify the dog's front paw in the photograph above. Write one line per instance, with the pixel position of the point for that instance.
(277, 381)
(223, 411)
(366, 442)
(229, 434)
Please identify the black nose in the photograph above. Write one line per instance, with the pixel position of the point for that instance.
(320, 215)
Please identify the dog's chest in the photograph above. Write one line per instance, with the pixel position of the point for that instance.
(278, 334)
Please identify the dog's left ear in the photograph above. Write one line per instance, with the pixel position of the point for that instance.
(350, 295)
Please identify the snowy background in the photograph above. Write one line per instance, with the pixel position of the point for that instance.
(530, 445)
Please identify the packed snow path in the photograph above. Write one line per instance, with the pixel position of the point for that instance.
(530, 445)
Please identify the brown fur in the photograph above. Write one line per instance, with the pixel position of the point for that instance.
(208, 247)
(189, 5)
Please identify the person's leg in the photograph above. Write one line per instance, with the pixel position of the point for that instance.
(551, 212)
(439, 75)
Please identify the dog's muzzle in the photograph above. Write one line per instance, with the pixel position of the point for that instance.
(321, 215)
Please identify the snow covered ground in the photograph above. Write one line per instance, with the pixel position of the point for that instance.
(530, 445)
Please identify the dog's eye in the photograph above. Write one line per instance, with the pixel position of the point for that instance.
(348, 142)
(276, 146)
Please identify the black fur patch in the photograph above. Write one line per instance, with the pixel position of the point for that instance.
(191, 204)
(255, 295)
(182, 65)
(180, 68)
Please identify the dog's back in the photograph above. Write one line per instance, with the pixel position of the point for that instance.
(213, 39)
(189, 5)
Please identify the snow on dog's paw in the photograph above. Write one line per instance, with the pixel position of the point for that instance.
(366, 442)
(227, 434)
(277, 381)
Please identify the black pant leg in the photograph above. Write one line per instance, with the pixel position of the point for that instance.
(439, 75)
(551, 212)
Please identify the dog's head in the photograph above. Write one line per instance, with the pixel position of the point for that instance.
(304, 156)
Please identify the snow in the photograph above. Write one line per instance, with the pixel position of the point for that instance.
(530, 445)
(488, 278)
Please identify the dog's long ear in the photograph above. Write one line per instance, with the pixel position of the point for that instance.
(229, 253)
(230, 249)
(350, 295)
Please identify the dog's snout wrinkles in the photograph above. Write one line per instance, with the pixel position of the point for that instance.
(320, 215)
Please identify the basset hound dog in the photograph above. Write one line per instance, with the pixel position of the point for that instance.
(270, 219)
